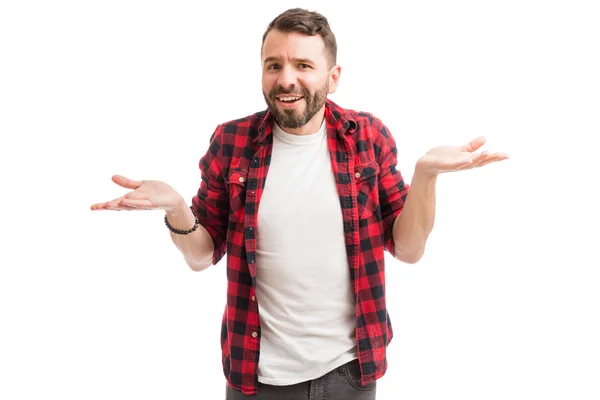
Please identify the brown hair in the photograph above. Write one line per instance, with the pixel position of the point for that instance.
(308, 22)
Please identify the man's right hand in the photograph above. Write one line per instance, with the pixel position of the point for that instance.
(197, 247)
(146, 195)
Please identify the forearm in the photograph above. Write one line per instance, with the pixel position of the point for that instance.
(414, 224)
(197, 247)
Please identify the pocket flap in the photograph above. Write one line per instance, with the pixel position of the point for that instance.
(365, 171)
(238, 176)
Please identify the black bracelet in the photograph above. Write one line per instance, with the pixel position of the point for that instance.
(180, 232)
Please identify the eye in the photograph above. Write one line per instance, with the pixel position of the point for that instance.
(273, 66)
(303, 66)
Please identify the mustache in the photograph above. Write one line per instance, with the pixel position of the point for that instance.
(280, 90)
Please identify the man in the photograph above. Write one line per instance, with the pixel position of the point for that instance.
(304, 198)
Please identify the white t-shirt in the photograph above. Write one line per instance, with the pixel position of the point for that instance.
(303, 285)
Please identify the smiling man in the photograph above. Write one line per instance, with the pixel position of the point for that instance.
(299, 72)
(304, 198)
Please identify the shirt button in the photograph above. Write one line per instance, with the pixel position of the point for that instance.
(254, 334)
(357, 175)
(241, 179)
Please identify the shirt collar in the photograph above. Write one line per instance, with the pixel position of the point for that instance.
(336, 116)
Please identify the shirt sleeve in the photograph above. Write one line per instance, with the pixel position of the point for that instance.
(392, 188)
(211, 203)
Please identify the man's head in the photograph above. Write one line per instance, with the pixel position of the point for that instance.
(299, 69)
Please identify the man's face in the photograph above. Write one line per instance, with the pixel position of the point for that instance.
(296, 78)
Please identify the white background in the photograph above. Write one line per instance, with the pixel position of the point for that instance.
(100, 305)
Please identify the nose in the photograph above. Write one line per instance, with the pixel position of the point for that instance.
(287, 77)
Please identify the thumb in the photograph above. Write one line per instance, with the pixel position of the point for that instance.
(126, 182)
(474, 144)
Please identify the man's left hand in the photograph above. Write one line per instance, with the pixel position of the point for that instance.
(449, 158)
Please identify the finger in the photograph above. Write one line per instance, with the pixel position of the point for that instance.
(122, 203)
(474, 144)
(464, 166)
(497, 155)
(136, 195)
(491, 158)
(117, 205)
(122, 208)
(97, 206)
(138, 203)
(481, 157)
(489, 161)
(112, 204)
(126, 182)
(103, 205)
(129, 208)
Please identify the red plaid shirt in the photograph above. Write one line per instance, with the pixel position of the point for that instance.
(371, 192)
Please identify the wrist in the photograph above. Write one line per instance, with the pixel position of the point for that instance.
(179, 208)
(423, 172)
(182, 231)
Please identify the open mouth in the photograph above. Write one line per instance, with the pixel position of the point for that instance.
(289, 100)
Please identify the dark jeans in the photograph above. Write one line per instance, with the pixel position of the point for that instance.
(343, 383)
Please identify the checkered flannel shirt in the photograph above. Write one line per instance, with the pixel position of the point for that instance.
(372, 193)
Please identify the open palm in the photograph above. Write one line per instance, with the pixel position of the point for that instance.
(145, 195)
(450, 158)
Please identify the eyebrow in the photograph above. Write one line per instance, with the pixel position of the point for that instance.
(298, 60)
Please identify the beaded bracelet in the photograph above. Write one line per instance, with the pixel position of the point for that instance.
(180, 232)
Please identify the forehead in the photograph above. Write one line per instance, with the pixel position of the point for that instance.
(293, 45)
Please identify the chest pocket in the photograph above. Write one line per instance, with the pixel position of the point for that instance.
(236, 185)
(367, 189)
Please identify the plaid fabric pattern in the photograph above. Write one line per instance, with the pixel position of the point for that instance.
(372, 193)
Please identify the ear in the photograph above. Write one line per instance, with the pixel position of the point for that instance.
(334, 78)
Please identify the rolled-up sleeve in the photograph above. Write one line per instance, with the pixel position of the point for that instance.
(392, 188)
(211, 203)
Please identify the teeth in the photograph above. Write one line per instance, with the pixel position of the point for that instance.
(289, 98)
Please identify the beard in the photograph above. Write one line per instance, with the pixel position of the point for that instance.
(292, 118)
